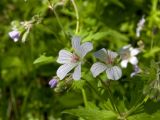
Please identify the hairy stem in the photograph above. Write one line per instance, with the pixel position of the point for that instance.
(110, 96)
(53, 9)
(84, 97)
(77, 15)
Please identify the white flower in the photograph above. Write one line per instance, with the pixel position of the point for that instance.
(107, 57)
(140, 26)
(73, 60)
(128, 54)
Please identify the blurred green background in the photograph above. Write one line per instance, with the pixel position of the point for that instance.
(24, 90)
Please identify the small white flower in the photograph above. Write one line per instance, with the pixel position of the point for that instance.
(14, 35)
(107, 57)
(73, 60)
(140, 26)
(128, 54)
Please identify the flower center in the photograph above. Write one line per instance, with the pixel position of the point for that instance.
(109, 61)
(125, 55)
(75, 58)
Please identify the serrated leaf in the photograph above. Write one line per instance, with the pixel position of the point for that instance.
(92, 114)
(145, 116)
(44, 59)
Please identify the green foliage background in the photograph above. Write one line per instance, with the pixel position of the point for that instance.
(24, 89)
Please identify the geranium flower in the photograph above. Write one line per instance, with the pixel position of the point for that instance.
(53, 82)
(14, 35)
(73, 60)
(140, 26)
(128, 54)
(107, 64)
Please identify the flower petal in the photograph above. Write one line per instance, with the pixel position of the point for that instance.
(136, 70)
(124, 63)
(114, 73)
(101, 54)
(85, 48)
(64, 57)
(135, 51)
(98, 68)
(76, 44)
(77, 72)
(64, 69)
(126, 47)
(133, 60)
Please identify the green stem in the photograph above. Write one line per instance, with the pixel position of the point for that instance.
(110, 96)
(134, 108)
(53, 9)
(84, 97)
(154, 5)
(25, 99)
(151, 41)
(77, 15)
(13, 101)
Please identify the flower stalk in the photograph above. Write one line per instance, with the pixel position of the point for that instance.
(53, 9)
(77, 16)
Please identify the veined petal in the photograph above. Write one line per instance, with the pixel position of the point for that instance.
(114, 73)
(111, 55)
(133, 60)
(64, 69)
(77, 72)
(76, 44)
(85, 48)
(101, 54)
(64, 57)
(124, 63)
(135, 51)
(98, 68)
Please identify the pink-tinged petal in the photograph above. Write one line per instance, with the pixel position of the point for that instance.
(77, 72)
(85, 48)
(98, 68)
(124, 63)
(135, 51)
(133, 60)
(111, 56)
(64, 57)
(114, 73)
(76, 44)
(64, 69)
(101, 54)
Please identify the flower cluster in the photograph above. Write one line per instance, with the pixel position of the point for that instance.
(107, 61)
(23, 28)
